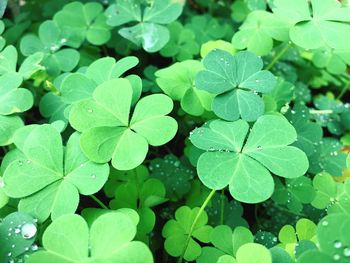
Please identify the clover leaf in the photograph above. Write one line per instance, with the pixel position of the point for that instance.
(236, 80)
(331, 195)
(47, 177)
(108, 132)
(109, 239)
(149, 32)
(178, 82)
(325, 25)
(279, 97)
(49, 42)
(226, 242)
(12, 100)
(334, 60)
(136, 190)
(17, 232)
(74, 87)
(8, 63)
(83, 21)
(258, 32)
(175, 175)
(176, 232)
(246, 168)
(182, 44)
(295, 193)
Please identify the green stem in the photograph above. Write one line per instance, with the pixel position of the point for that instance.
(201, 209)
(99, 202)
(344, 90)
(222, 206)
(279, 55)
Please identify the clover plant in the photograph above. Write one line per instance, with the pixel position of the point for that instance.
(141, 131)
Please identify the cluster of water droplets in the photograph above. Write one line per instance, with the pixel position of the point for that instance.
(341, 251)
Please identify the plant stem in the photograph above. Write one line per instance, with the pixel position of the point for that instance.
(201, 209)
(344, 90)
(279, 55)
(99, 202)
(222, 206)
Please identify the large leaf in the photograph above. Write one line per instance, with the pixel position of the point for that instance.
(246, 168)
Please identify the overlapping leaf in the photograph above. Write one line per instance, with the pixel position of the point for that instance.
(109, 239)
(108, 132)
(47, 176)
(237, 81)
(246, 167)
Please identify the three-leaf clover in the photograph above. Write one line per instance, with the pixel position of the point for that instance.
(149, 32)
(331, 195)
(246, 166)
(176, 233)
(182, 44)
(326, 25)
(109, 239)
(178, 82)
(12, 100)
(47, 176)
(236, 80)
(80, 21)
(49, 42)
(258, 32)
(109, 133)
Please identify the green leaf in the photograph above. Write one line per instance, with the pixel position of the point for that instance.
(176, 232)
(246, 168)
(253, 253)
(82, 22)
(109, 239)
(8, 126)
(236, 80)
(123, 12)
(46, 183)
(177, 81)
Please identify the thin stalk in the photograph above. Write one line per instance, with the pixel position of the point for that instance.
(344, 90)
(279, 55)
(201, 209)
(99, 202)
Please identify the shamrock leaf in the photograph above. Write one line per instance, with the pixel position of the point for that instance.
(8, 63)
(49, 42)
(48, 177)
(17, 234)
(280, 96)
(74, 87)
(109, 239)
(325, 25)
(107, 131)
(149, 32)
(334, 60)
(134, 189)
(236, 80)
(216, 44)
(265, 238)
(175, 175)
(182, 44)
(176, 233)
(12, 100)
(82, 22)
(328, 157)
(222, 211)
(177, 81)
(331, 195)
(309, 133)
(245, 168)
(226, 242)
(258, 31)
(294, 194)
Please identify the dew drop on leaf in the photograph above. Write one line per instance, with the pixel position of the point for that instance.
(346, 252)
(336, 257)
(325, 223)
(337, 244)
(28, 230)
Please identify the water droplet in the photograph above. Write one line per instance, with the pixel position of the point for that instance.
(63, 40)
(93, 176)
(34, 247)
(28, 231)
(259, 147)
(337, 244)
(17, 230)
(336, 257)
(9, 254)
(346, 252)
(177, 164)
(2, 184)
(90, 111)
(13, 245)
(28, 161)
(20, 163)
(324, 223)
(292, 111)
